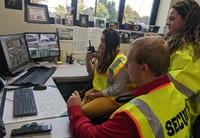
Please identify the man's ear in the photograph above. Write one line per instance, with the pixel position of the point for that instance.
(144, 67)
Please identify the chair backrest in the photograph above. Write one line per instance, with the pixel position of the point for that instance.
(124, 97)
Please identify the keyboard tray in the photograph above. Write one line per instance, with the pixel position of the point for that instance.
(38, 76)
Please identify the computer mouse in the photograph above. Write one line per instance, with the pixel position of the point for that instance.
(39, 87)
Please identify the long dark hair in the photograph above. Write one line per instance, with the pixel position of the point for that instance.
(190, 31)
(112, 44)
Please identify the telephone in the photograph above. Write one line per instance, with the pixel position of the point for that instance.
(91, 48)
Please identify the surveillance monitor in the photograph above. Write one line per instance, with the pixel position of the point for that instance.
(13, 53)
(42, 45)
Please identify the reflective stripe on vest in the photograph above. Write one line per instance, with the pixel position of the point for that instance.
(150, 116)
(111, 70)
(103, 80)
(185, 90)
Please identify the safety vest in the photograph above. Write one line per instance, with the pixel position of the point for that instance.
(161, 113)
(102, 81)
(185, 74)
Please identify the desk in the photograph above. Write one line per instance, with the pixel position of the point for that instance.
(50, 104)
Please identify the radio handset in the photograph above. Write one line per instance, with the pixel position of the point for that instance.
(91, 48)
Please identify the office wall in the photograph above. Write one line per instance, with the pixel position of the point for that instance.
(12, 21)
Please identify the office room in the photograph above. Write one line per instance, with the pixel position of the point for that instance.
(48, 50)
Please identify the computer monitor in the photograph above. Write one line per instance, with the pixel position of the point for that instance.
(13, 53)
(42, 45)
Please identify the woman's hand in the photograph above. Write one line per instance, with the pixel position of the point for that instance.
(90, 55)
(93, 95)
(74, 99)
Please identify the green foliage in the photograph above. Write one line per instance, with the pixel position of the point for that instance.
(130, 14)
(102, 11)
(112, 12)
(110, 5)
(60, 10)
(105, 9)
(133, 16)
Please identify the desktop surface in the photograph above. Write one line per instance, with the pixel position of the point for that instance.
(49, 102)
(52, 108)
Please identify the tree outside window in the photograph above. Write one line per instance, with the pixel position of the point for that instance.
(104, 9)
(137, 11)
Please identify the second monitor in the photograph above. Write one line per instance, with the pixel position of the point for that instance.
(42, 44)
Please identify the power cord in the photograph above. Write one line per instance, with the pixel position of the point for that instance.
(6, 99)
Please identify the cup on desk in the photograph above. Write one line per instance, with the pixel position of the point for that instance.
(70, 60)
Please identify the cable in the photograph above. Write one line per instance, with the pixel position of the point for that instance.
(7, 99)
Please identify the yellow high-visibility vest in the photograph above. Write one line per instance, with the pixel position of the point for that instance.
(184, 72)
(104, 80)
(161, 113)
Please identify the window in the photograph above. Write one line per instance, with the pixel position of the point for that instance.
(143, 12)
(61, 7)
(137, 11)
(98, 8)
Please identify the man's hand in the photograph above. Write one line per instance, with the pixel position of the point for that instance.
(74, 99)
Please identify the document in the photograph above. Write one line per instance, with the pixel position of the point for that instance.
(82, 36)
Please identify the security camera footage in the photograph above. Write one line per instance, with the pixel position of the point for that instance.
(42, 45)
(15, 49)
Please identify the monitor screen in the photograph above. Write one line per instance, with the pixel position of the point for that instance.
(14, 52)
(42, 45)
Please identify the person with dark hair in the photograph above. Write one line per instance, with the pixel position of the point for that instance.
(183, 38)
(110, 76)
(158, 109)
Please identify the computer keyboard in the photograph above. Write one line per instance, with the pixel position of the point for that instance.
(24, 103)
(34, 76)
